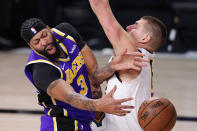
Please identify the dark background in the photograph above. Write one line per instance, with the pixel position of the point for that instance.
(180, 17)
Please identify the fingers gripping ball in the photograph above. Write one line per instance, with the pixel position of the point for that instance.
(157, 114)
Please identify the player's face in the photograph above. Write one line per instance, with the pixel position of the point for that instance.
(137, 30)
(44, 43)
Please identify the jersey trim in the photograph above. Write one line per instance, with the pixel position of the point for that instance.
(65, 112)
(63, 34)
(48, 113)
(39, 54)
(47, 62)
(151, 67)
(65, 50)
(54, 124)
(76, 125)
(53, 100)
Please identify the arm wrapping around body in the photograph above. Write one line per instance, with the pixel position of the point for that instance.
(98, 73)
(64, 92)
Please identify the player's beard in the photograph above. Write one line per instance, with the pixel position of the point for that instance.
(96, 93)
(51, 56)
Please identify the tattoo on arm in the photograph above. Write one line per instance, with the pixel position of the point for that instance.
(102, 73)
(54, 83)
(80, 101)
(68, 95)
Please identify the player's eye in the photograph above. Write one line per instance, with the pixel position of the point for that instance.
(36, 41)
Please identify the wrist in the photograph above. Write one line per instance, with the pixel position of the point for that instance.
(96, 103)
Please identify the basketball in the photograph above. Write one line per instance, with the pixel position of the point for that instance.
(157, 114)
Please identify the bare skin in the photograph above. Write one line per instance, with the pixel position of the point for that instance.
(100, 73)
(64, 92)
(120, 62)
(119, 38)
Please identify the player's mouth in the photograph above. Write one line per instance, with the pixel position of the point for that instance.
(50, 49)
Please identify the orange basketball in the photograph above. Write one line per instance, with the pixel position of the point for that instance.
(157, 114)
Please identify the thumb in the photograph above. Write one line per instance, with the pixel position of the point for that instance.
(111, 93)
(124, 52)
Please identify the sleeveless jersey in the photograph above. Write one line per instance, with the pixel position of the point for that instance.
(73, 70)
(138, 88)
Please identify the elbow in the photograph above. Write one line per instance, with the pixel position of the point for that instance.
(56, 94)
(113, 31)
(94, 79)
(113, 28)
(58, 90)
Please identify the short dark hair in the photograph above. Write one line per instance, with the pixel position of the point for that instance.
(158, 29)
(26, 32)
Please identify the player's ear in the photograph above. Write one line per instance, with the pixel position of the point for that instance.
(146, 38)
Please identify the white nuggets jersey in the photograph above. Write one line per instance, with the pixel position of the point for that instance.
(138, 88)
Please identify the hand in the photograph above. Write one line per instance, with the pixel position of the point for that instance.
(97, 5)
(110, 105)
(126, 60)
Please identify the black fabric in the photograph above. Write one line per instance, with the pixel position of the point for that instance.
(139, 50)
(43, 75)
(72, 31)
(57, 111)
(38, 26)
(44, 99)
(65, 124)
(99, 116)
(117, 75)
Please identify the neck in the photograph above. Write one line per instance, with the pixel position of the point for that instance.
(147, 47)
(62, 54)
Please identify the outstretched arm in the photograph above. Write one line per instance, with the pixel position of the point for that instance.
(62, 91)
(118, 37)
(99, 73)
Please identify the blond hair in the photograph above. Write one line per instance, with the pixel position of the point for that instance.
(158, 30)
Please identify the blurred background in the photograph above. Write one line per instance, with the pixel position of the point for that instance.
(180, 17)
(175, 66)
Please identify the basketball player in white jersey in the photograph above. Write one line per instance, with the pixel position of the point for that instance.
(145, 35)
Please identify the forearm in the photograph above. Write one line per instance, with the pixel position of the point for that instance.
(106, 18)
(118, 37)
(96, 72)
(62, 91)
(80, 101)
(103, 72)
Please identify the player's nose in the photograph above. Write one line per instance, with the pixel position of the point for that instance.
(43, 42)
(129, 27)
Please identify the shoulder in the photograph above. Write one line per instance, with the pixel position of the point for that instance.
(146, 52)
(70, 30)
(66, 28)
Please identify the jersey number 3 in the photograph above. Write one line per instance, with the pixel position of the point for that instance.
(81, 82)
